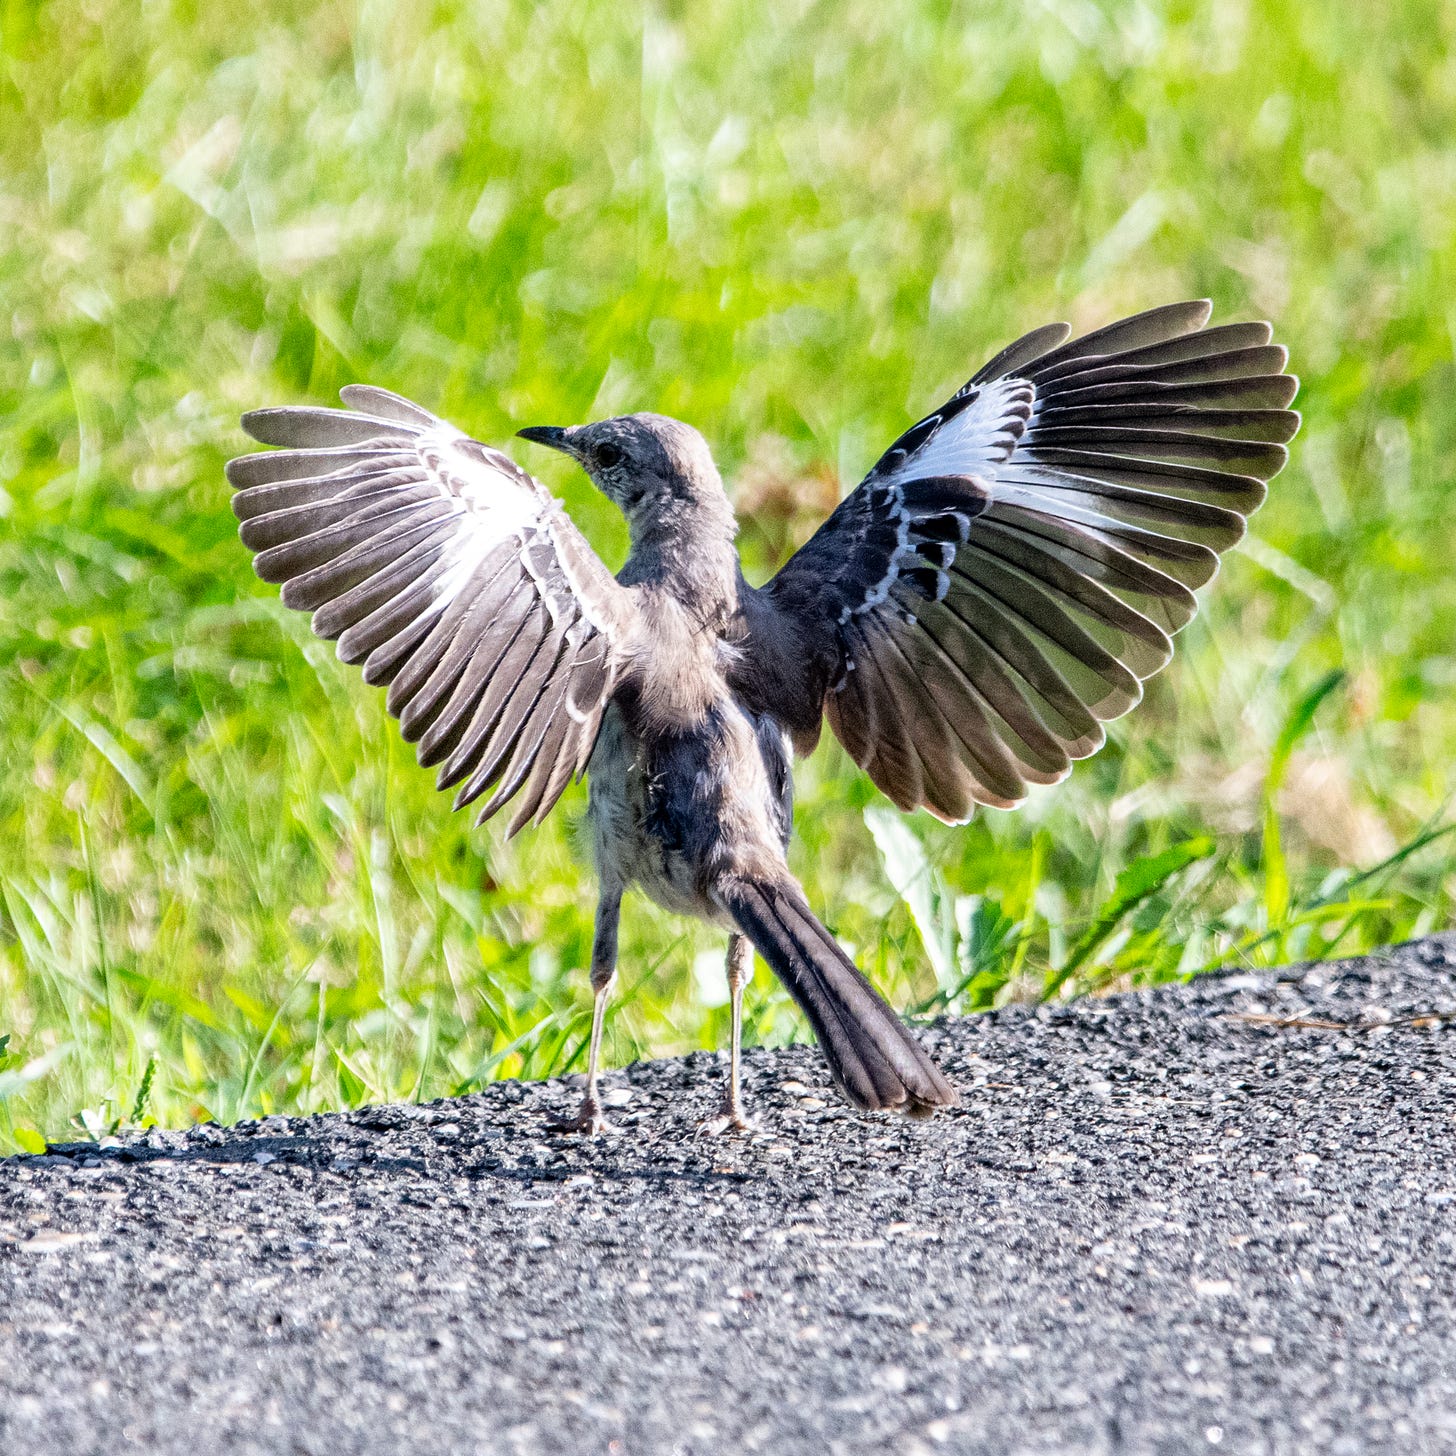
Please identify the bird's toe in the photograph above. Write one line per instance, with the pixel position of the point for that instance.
(589, 1122)
(730, 1118)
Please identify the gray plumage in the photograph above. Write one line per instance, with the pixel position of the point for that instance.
(997, 588)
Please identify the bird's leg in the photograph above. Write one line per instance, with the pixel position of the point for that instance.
(603, 972)
(740, 970)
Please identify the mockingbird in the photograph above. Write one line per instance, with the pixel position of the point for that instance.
(995, 590)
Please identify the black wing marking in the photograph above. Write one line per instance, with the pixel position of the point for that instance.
(1016, 564)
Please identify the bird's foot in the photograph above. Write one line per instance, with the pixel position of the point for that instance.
(589, 1121)
(730, 1118)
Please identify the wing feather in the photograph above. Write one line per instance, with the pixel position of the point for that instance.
(453, 578)
(1016, 564)
(891, 759)
(945, 742)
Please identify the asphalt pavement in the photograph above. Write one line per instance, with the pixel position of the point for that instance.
(1210, 1217)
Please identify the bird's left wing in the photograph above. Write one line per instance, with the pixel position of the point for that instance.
(451, 575)
(1015, 565)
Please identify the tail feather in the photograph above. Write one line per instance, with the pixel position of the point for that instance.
(873, 1058)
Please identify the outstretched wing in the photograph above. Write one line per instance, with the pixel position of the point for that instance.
(1013, 568)
(449, 574)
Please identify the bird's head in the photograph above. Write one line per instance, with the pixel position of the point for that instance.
(653, 467)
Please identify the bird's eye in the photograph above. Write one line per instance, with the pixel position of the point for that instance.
(608, 456)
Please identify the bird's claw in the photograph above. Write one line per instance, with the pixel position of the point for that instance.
(729, 1119)
(588, 1122)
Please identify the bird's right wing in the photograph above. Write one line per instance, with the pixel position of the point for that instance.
(1014, 566)
(450, 574)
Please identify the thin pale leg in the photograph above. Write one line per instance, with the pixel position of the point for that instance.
(731, 1116)
(603, 973)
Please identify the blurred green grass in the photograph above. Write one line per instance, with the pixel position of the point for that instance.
(224, 887)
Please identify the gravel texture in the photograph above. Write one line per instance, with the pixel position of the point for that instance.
(1210, 1216)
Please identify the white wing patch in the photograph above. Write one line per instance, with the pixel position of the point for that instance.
(446, 571)
(1016, 563)
(971, 438)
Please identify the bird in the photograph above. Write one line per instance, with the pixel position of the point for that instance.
(996, 589)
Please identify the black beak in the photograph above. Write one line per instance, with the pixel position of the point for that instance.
(552, 435)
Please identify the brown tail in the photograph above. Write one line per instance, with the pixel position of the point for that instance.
(873, 1059)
